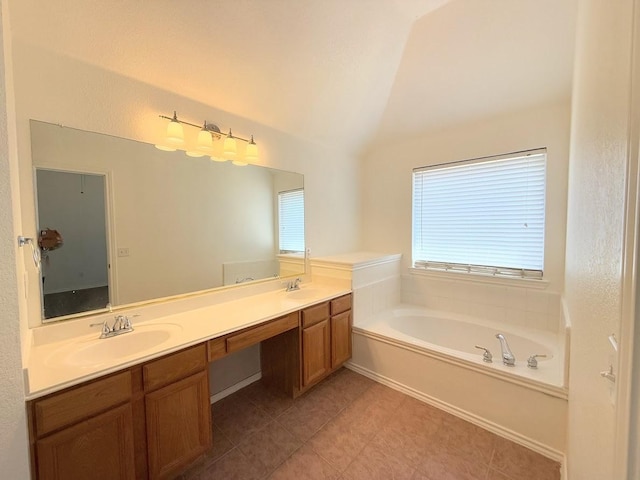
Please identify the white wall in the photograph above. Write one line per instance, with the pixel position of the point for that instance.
(14, 461)
(84, 96)
(386, 214)
(595, 228)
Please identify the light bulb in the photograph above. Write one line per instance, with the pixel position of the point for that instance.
(205, 142)
(229, 146)
(175, 132)
(251, 152)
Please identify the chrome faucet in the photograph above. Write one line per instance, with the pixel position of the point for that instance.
(294, 285)
(507, 356)
(122, 324)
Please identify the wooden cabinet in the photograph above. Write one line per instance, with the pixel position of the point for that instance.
(325, 339)
(316, 351)
(341, 321)
(85, 431)
(152, 420)
(148, 421)
(177, 410)
(98, 448)
(340, 339)
(178, 424)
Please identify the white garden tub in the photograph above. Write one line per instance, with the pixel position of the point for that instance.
(431, 355)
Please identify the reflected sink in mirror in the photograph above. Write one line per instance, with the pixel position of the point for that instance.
(96, 352)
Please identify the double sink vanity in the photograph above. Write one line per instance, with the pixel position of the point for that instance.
(137, 405)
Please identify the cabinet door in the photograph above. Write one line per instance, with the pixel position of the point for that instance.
(98, 448)
(178, 424)
(316, 352)
(340, 339)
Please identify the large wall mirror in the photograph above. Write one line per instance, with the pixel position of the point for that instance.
(122, 222)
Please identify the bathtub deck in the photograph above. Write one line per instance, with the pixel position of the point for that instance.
(349, 427)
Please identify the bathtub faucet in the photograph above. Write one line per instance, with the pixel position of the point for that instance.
(507, 356)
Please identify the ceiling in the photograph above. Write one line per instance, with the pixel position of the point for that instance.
(344, 73)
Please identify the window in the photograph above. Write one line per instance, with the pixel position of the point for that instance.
(291, 221)
(484, 215)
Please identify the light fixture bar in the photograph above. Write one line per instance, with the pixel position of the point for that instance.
(210, 127)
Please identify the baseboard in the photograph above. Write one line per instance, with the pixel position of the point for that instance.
(234, 388)
(534, 445)
(564, 473)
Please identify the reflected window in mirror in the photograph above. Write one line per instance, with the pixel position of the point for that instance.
(175, 225)
(291, 221)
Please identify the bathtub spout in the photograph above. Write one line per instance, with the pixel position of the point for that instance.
(507, 356)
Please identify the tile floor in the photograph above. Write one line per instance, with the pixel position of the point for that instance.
(351, 428)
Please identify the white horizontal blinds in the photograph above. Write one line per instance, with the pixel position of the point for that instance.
(485, 215)
(291, 219)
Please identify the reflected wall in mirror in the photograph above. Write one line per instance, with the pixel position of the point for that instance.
(171, 224)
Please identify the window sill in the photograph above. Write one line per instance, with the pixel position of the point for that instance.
(481, 278)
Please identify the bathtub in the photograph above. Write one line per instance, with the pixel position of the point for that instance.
(431, 355)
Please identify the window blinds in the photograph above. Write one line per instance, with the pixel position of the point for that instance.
(291, 221)
(484, 215)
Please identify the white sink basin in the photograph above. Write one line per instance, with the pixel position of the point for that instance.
(96, 352)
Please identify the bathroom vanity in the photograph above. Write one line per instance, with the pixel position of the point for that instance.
(152, 418)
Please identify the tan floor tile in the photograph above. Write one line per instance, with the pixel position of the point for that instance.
(221, 445)
(230, 406)
(301, 423)
(471, 442)
(345, 386)
(339, 442)
(495, 475)
(272, 402)
(270, 446)
(516, 461)
(374, 463)
(233, 466)
(355, 428)
(305, 464)
(395, 440)
(243, 423)
(442, 465)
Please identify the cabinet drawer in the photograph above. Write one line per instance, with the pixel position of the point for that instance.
(261, 332)
(66, 408)
(341, 304)
(315, 314)
(216, 348)
(174, 367)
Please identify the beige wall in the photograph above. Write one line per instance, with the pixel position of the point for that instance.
(89, 98)
(386, 215)
(14, 462)
(595, 229)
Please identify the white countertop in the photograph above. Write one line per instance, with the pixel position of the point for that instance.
(50, 370)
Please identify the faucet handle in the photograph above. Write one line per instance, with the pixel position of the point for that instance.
(105, 327)
(532, 362)
(486, 356)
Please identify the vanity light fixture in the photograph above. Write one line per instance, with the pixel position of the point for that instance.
(204, 144)
(230, 146)
(251, 151)
(209, 132)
